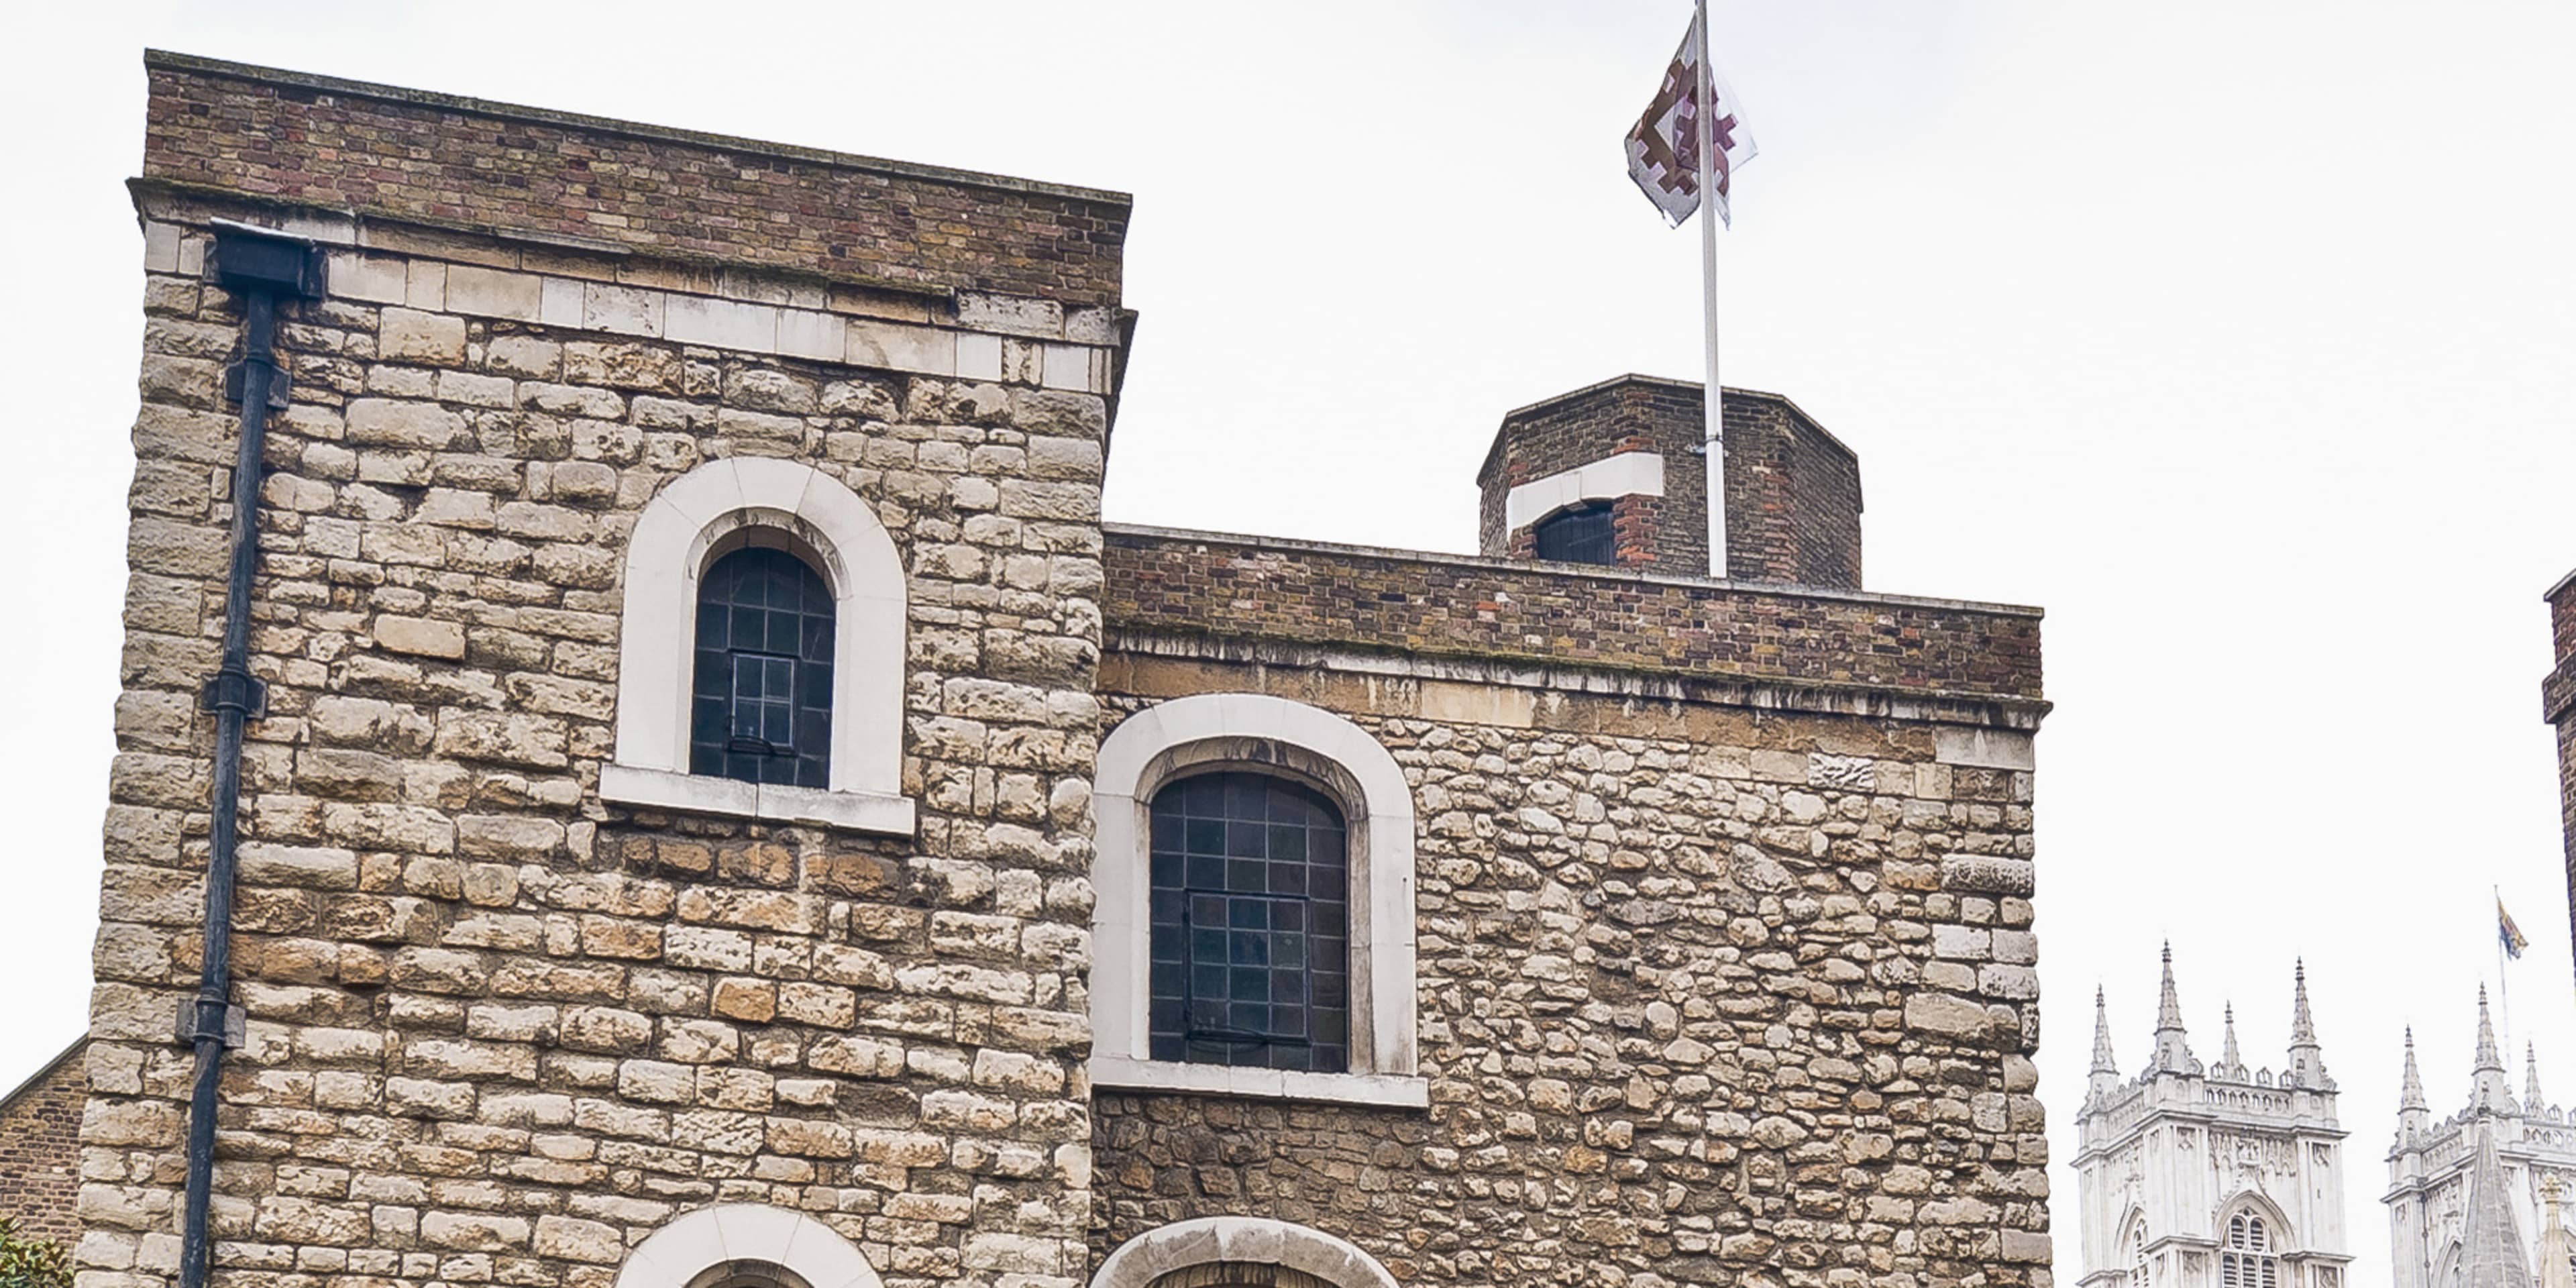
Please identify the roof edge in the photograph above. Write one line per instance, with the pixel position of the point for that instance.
(1591, 571)
(2562, 586)
(1493, 449)
(35, 1079)
(162, 59)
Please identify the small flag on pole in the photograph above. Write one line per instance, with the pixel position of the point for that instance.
(2509, 933)
(1663, 148)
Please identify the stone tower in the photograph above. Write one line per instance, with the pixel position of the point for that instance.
(642, 766)
(2465, 1195)
(2211, 1176)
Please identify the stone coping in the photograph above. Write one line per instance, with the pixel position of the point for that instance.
(1967, 710)
(2563, 585)
(162, 58)
(1295, 545)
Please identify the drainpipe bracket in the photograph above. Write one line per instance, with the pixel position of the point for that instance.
(280, 384)
(202, 1018)
(236, 690)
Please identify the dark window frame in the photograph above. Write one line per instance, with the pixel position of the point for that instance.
(760, 686)
(1265, 858)
(1585, 534)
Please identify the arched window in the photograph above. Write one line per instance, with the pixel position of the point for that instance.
(1579, 534)
(1250, 908)
(790, 705)
(2248, 1260)
(1286, 810)
(2141, 1273)
(761, 702)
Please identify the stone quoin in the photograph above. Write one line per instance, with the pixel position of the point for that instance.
(703, 697)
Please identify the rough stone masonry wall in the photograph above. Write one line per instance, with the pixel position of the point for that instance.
(498, 1031)
(1707, 996)
(39, 1152)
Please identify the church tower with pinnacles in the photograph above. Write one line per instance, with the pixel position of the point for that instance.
(2211, 1176)
(2471, 1201)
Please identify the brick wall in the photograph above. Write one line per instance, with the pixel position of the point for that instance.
(2558, 701)
(40, 1150)
(1402, 601)
(333, 144)
(1793, 496)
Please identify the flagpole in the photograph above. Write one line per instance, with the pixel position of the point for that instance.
(2504, 996)
(1705, 115)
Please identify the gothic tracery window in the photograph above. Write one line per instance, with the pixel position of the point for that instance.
(2141, 1274)
(761, 703)
(1250, 925)
(2248, 1261)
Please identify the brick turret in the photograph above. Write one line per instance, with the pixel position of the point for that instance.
(1628, 451)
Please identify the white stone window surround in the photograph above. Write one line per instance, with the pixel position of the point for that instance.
(1272, 735)
(746, 1241)
(721, 505)
(1607, 479)
(1140, 1261)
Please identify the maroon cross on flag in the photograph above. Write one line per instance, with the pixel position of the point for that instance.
(1663, 148)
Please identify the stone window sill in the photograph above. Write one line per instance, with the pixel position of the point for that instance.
(1392, 1090)
(698, 794)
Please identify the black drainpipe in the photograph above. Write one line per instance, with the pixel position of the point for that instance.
(259, 266)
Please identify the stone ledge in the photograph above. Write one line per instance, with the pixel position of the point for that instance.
(787, 321)
(698, 794)
(1396, 1091)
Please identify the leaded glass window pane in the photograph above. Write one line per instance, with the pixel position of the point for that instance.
(761, 703)
(1251, 925)
(1579, 535)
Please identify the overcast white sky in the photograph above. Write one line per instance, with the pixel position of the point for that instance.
(2236, 335)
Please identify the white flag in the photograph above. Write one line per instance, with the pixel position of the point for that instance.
(1663, 149)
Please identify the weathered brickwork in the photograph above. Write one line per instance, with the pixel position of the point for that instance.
(2558, 703)
(1705, 995)
(1793, 498)
(39, 1135)
(329, 144)
(1223, 585)
(1725, 969)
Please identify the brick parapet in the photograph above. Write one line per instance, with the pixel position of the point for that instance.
(1474, 606)
(39, 1149)
(377, 149)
